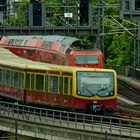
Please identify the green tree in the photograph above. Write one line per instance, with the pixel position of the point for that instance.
(121, 50)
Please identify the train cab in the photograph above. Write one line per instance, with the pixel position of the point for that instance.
(92, 58)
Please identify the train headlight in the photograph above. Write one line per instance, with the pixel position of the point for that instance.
(105, 93)
(108, 93)
(78, 92)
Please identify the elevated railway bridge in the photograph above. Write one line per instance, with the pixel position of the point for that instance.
(48, 124)
(52, 124)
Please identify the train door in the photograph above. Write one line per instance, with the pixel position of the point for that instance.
(29, 86)
(65, 87)
(53, 96)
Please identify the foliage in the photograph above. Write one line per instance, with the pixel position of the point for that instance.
(118, 45)
(18, 18)
(119, 40)
(121, 50)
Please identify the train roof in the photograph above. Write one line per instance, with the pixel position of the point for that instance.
(51, 38)
(7, 58)
(52, 42)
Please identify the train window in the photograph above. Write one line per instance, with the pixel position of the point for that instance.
(40, 82)
(21, 80)
(70, 86)
(46, 83)
(127, 5)
(15, 78)
(1, 75)
(53, 84)
(8, 77)
(137, 5)
(32, 81)
(66, 85)
(24, 54)
(28, 81)
(86, 59)
(61, 85)
(95, 83)
(30, 52)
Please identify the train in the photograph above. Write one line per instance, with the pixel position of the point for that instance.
(80, 89)
(54, 49)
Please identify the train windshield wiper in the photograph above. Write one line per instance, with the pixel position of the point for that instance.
(90, 91)
(104, 92)
(101, 89)
(97, 92)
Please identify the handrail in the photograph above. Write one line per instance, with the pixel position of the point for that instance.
(71, 120)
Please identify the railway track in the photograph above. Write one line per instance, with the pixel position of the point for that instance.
(130, 105)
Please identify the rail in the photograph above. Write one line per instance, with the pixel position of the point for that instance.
(49, 14)
(40, 118)
(50, 17)
(125, 70)
(121, 70)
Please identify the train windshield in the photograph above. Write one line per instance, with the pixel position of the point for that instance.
(95, 84)
(86, 59)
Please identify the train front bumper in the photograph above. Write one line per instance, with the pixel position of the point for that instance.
(96, 107)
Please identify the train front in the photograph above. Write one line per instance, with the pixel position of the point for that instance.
(96, 91)
(84, 55)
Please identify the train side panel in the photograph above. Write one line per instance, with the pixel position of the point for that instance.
(11, 83)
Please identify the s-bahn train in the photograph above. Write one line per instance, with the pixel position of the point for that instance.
(54, 49)
(89, 90)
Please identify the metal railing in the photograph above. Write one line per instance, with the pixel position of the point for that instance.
(121, 70)
(23, 14)
(125, 71)
(40, 118)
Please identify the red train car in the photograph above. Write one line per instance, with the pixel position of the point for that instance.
(79, 89)
(54, 49)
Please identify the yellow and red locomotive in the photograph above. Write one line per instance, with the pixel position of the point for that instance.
(54, 49)
(73, 88)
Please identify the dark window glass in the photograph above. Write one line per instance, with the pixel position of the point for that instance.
(0, 75)
(46, 83)
(28, 81)
(40, 82)
(53, 84)
(127, 5)
(61, 85)
(71, 86)
(66, 85)
(137, 5)
(30, 52)
(22, 80)
(7, 77)
(32, 81)
(15, 79)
